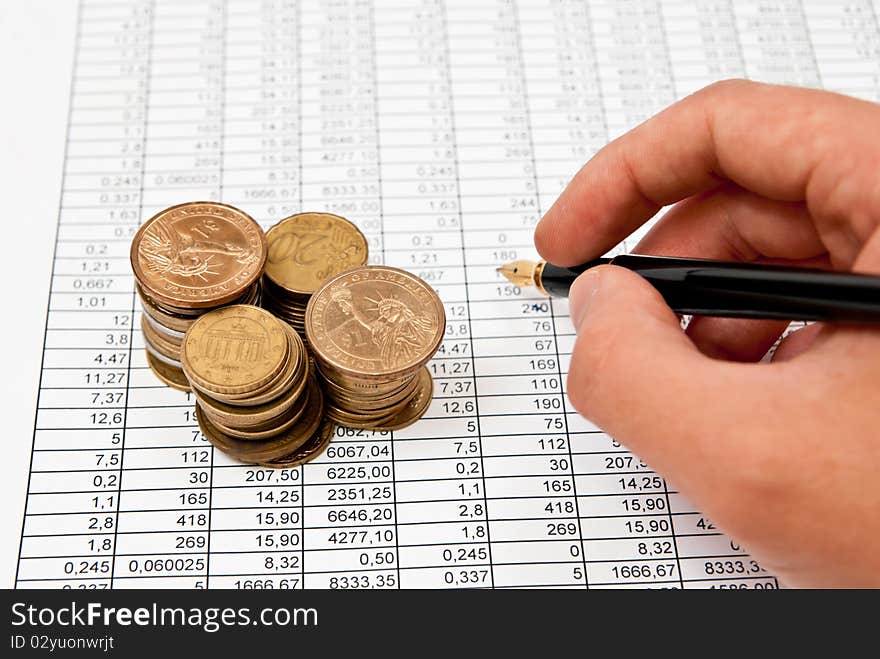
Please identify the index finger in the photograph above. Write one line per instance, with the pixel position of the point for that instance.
(765, 138)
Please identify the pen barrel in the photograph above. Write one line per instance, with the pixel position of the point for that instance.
(556, 281)
(748, 290)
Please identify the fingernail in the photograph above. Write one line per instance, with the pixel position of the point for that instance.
(581, 295)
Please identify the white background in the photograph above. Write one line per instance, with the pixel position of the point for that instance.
(36, 47)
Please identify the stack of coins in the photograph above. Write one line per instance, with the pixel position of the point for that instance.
(187, 260)
(304, 251)
(372, 330)
(257, 397)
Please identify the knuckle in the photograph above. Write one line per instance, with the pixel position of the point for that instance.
(844, 199)
(723, 89)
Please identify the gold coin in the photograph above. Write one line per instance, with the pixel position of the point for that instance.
(308, 248)
(177, 312)
(282, 296)
(352, 412)
(375, 322)
(363, 388)
(286, 309)
(158, 343)
(265, 430)
(346, 399)
(289, 318)
(243, 416)
(252, 295)
(171, 334)
(199, 254)
(379, 405)
(168, 337)
(294, 321)
(348, 422)
(174, 321)
(234, 349)
(174, 363)
(361, 400)
(308, 451)
(402, 414)
(416, 407)
(268, 449)
(168, 374)
(293, 375)
(289, 309)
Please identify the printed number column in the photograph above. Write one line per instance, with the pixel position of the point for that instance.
(623, 506)
(776, 42)
(256, 514)
(704, 47)
(703, 43)
(770, 41)
(69, 533)
(568, 126)
(846, 41)
(261, 109)
(350, 536)
(533, 525)
(164, 508)
(440, 490)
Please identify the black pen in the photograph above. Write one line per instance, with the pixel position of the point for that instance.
(721, 288)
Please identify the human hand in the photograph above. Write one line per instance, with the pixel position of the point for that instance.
(785, 457)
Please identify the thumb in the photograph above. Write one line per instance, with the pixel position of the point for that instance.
(636, 375)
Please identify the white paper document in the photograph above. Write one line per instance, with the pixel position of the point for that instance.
(443, 129)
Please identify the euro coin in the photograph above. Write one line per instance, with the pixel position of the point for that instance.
(275, 447)
(308, 451)
(234, 350)
(306, 249)
(167, 373)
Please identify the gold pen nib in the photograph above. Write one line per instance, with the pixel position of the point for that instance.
(519, 273)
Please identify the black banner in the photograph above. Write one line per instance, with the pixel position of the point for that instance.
(127, 623)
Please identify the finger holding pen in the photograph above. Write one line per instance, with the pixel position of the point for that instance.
(757, 173)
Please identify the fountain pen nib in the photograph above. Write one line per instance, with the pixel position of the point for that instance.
(519, 273)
